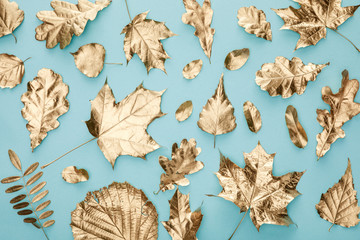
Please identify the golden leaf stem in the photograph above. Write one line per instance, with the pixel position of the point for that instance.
(156, 193)
(346, 39)
(114, 63)
(127, 8)
(331, 226)
(214, 140)
(14, 37)
(26, 59)
(239, 224)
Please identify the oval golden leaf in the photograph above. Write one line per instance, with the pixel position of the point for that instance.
(18, 198)
(37, 188)
(11, 70)
(10, 179)
(184, 111)
(34, 178)
(296, 131)
(46, 214)
(29, 220)
(11, 17)
(40, 196)
(252, 116)
(31, 169)
(14, 188)
(14, 159)
(21, 205)
(192, 69)
(236, 59)
(48, 223)
(42, 206)
(73, 175)
(25, 212)
(89, 59)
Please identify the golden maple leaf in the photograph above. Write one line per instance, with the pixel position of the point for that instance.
(10, 17)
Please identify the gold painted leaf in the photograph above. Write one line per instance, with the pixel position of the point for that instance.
(252, 116)
(89, 59)
(143, 37)
(342, 109)
(236, 59)
(184, 111)
(73, 175)
(30, 220)
(121, 127)
(217, 116)
(11, 70)
(40, 196)
(10, 17)
(14, 159)
(182, 224)
(21, 205)
(200, 18)
(48, 223)
(34, 178)
(339, 204)
(183, 163)
(46, 214)
(10, 179)
(44, 102)
(192, 69)
(31, 169)
(25, 212)
(118, 211)
(18, 198)
(42, 205)
(14, 188)
(37, 188)
(296, 131)
(286, 77)
(254, 22)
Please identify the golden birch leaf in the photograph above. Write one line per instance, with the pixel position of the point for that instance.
(192, 69)
(252, 116)
(118, 211)
(254, 188)
(236, 59)
(339, 204)
(67, 19)
(183, 163)
(73, 175)
(182, 224)
(44, 102)
(254, 22)
(10, 17)
(342, 109)
(296, 131)
(312, 19)
(120, 128)
(143, 37)
(11, 70)
(89, 59)
(286, 77)
(15, 160)
(200, 18)
(217, 116)
(184, 111)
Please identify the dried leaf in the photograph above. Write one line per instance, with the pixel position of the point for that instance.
(18, 198)
(21, 205)
(343, 109)
(286, 77)
(119, 211)
(236, 59)
(10, 179)
(217, 116)
(12, 69)
(14, 159)
(31, 169)
(40, 196)
(44, 102)
(192, 69)
(14, 188)
(183, 163)
(183, 224)
(200, 18)
(10, 17)
(42, 205)
(254, 22)
(252, 116)
(48, 223)
(34, 178)
(143, 37)
(73, 175)
(67, 19)
(339, 204)
(89, 59)
(296, 131)
(37, 188)
(184, 111)
(121, 128)
(46, 214)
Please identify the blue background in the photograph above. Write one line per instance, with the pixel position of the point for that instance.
(220, 216)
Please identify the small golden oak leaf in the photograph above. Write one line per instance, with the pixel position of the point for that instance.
(182, 224)
(183, 163)
(44, 102)
(143, 37)
(342, 109)
(119, 211)
(73, 175)
(121, 127)
(67, 19)
(339, 204)
(11, 71)
(10, 17)
(296, 131)
(89, 59)
(200, 18)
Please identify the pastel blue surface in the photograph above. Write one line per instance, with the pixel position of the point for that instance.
(220, 216)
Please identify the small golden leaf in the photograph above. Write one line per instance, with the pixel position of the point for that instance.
(14, 159)
(37, 188)
(184, 111)
(34, 178)
(14, 188)
(40, 196)
(18, 198)
(89, 59)
(236, 59)
(30, 220)
(42, 205)
(252, 116)
(21, 205)
(73, 175)
(31, 169)
(11, 69)
(10, 179)
(48, 223)
(25, 212)
(44, 102)
(46, 214)
(10, 17)
(296, 131)
(192, 69)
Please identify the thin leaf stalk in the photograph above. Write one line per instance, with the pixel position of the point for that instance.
(346, 39)
(127, 8)
(239, 224)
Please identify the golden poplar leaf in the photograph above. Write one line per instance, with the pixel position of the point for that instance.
(118, 211)
(296, 131)
(339, 204)
(252, 116)
(44, 102)
(11, 70)
(192, 69)
(313, 18)
(10, 17)
(73, 175)
(121, 127)
(183, 163)
(184, 111)
(182, 224)
(217, 116)
(286, 77)
(89, 59)
(254, 22)
(342, 109)
(236, 59)
(67, 19)
(200, 18)
(143, 37)
(254, 188)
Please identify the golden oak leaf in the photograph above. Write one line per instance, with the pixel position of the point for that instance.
(67, 19)
(44, 102)
(183, 163)
(10, 17)
(182, 224)
(121, 127)
(89, 59)
(119, 211)
(339, 204)
(313, 17)
(200, 18)
(143, 37)
(11, 71)
(342, 109)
